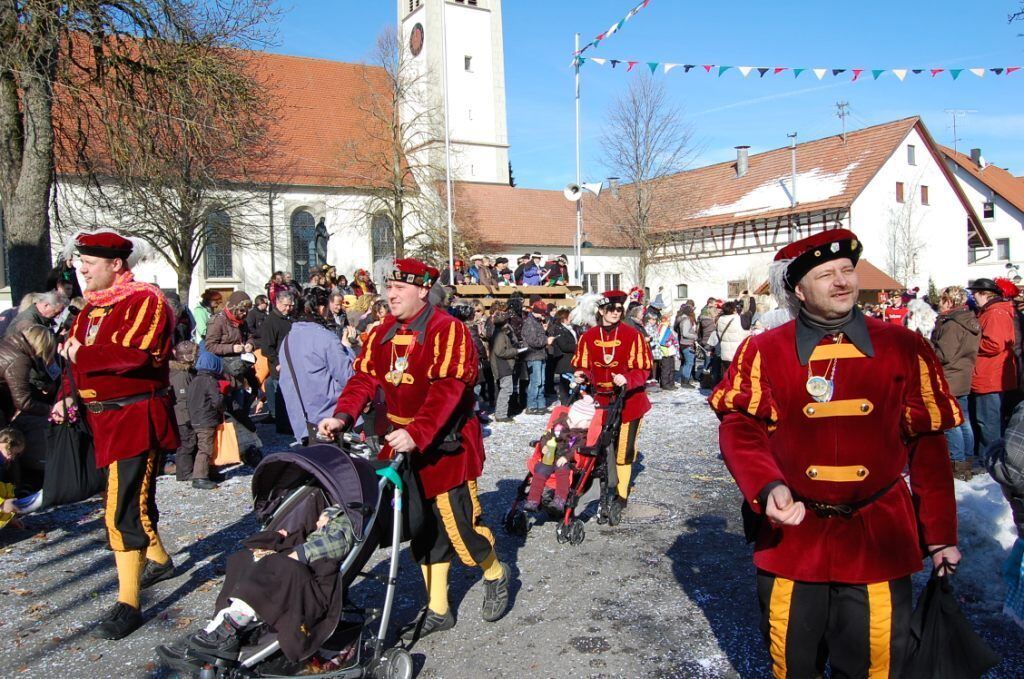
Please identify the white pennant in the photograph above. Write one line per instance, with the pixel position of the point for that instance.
(669, 67)
(900, 73)
(745, 70)
(820, 72)
(980, 72)
(599, 62)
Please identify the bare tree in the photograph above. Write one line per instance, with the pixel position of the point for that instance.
(429, 242)
(645, 141)
(1017, 15)
(902, 239)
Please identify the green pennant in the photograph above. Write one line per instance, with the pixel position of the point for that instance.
(798, 71)
(875, 73)
(723, 69)
(653, 65)
(955, 72)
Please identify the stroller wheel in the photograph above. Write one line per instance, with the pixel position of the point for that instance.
(561, 533)
(576, 532)
(396, 663)
(516, 523)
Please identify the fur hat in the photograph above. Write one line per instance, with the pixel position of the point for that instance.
(585, 312)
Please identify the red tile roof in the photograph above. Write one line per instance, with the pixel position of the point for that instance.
(996, 178)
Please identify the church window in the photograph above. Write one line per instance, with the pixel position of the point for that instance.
(217, 255)
(303, 252)
(382, 236)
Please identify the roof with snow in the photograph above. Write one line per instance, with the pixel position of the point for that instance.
(996, 178)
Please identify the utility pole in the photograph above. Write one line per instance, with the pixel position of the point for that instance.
(792, 154)
(956, 113)
(843, 110)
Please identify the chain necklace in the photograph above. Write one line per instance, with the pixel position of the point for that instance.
(822, 387)
(399, 364)
(608, 356)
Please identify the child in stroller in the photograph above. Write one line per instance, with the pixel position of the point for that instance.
(565, 436)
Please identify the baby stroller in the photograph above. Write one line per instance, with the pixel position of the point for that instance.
(589, 462)
(290, 489)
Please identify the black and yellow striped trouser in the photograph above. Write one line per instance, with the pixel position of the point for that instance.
(862, 630)
(130, 501)
(452, 526)
(625, 446)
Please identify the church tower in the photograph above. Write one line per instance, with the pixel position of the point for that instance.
(476, 79)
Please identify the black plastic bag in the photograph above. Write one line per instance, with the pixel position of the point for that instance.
(71, 473)
(942, 643)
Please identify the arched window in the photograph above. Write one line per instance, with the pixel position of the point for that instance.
(218, 245)
(382, 233)
(303, 253)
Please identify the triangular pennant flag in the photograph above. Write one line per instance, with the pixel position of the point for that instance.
(900, 73)
(877, 72)
(615, 62)
(598, 61)
(955, 72)
(837, 71)
(820, 72)
(778, 69)
(631, 65)
(798, 71)
(708, 67)
(745, 70)
(856, 74)
(997, 71)
(936, 71)
(687, 67)
(917, 71)
(980, 72)
(1011, 69)
(669, 67)
(581, 60)
(762, 71)
(653, 65)
(723, 69)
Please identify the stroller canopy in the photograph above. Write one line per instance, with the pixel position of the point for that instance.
(350, 482)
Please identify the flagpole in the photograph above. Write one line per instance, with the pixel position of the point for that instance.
(447, 146)
(579, 203)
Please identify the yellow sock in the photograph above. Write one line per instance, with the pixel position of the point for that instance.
(129, 570)
(625, 474)
(156, 551)
(435, 577)
(492, 567)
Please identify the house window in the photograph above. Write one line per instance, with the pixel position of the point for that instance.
(303, 232)
(611, 281)
(469, 62)
(899, 192)
(217, 256)
(1003, 249)
(590, 282)
(682, 291)
(736, 288)
(911, 155)
(924, 195)
(988, 209)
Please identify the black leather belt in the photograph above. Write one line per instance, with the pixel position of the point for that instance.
(826, 511)
(97, 407)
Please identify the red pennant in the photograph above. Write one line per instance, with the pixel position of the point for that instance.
(779, 70)
(856, 74)
(708, 67)
(936, 71)
(1011, 69)
(631, 65)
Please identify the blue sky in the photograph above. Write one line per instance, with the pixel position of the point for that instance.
(724, 112)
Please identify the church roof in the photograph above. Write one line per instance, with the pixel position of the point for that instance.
(996, 178)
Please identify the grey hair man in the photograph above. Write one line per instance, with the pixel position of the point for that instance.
(47, 306)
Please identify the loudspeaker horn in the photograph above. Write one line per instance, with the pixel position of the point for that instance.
(572, 192)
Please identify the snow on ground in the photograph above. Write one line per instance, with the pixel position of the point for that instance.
(669, 593)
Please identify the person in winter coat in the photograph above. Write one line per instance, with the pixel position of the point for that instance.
(668, 348)
(315, 367)
(995, 371)
(201, 314)
(47, 307)
(256, 317)
(503, 362)
(563, 348)
(955, 340)
(274, 330)
(226, 332)
(33, 347)
(1006, 465)
(183, 370)
(686, 331)
(205, 403)
(535, 336)
(731, 333)
(532, 273)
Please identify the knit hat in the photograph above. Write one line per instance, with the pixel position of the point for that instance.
(239, 298)
(581, 413)
(209, 362)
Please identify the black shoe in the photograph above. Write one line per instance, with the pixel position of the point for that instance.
(119, 622)
(223, 642)
(156, 572)
(616, 506)
(426, 624)
(503, 420)
(203, 484)
(176, 656)
(496, 597)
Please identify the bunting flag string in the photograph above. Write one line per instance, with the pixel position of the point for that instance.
(611, 30)
(854, 74)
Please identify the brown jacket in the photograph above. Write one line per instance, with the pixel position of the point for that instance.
(16, 362)
(222, 335)
(955, 339)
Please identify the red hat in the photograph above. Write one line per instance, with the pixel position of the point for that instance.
(612, 296)
(1007, 287)
(817, 249)
(540, 307)
(414, 272)
(105, 244)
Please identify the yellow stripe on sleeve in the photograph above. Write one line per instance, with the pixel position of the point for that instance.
(138, 322)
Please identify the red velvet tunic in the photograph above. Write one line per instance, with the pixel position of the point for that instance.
(434, 394)
(125, 351)
(631, 358)
(888, 413)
